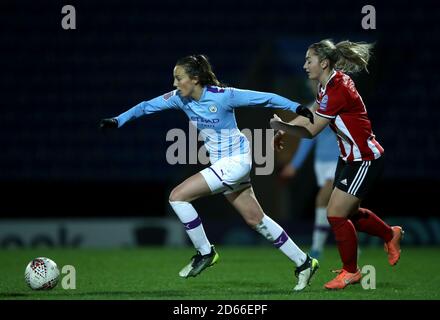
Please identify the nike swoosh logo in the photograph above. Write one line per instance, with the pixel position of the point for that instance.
(348, 281)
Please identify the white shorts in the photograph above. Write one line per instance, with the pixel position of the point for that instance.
(229, 174)
(325, 171)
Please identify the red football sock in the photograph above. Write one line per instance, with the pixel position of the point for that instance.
(346, 238)
(366, 221)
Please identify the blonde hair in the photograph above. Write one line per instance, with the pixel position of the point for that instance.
(347, 56)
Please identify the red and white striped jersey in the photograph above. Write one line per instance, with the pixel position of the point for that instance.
(340, 102)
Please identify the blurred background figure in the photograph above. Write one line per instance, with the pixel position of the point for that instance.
(324, 163)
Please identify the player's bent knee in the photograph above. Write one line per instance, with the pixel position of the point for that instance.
(332, 213)
(336, 211)
(177, 195)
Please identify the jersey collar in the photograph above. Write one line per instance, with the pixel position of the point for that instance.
(201, 96)
(328, 81)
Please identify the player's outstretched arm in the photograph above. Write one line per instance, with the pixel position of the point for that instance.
(249, 98)
(299, 127)
(167, 101)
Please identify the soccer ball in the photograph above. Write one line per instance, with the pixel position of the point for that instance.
(41, 273)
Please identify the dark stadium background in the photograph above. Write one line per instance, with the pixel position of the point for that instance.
(57, 84)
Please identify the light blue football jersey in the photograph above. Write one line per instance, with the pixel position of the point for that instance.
(213, 114)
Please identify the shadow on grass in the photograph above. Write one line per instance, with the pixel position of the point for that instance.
(11, 295)
(146, 294)
(73, 294)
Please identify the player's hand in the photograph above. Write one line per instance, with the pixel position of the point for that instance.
(275, 122)
(278, 143)
(108, 124)
(288, 172)
(305, 112)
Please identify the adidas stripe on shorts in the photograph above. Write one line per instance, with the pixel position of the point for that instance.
(358, 177)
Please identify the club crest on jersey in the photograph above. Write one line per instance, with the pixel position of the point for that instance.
(168, 95)
(213, 108)
(323, 104)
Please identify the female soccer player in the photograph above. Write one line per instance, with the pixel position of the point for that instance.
(325, 161)
(211, 106)
(362, 158)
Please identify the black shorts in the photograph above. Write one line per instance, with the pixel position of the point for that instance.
(358, 177)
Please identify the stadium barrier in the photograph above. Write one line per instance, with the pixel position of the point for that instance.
(90, 233)
(133, 232)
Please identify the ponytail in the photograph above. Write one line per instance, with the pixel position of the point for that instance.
(347, 56)
(198, 66)
(353, 56)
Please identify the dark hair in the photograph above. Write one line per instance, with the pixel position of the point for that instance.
(198, 66)
(350, 57)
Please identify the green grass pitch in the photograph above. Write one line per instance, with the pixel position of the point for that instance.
(248, 273)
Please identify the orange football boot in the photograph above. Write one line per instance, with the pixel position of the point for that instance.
(343, 279)
(392, 247)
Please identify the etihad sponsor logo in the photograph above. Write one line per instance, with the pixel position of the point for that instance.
(203, 120)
